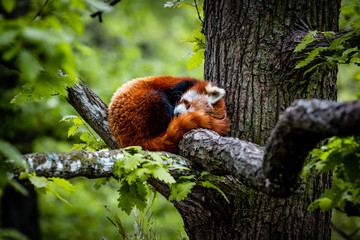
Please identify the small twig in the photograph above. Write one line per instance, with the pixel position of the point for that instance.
(197, 10)
(338, 209)
(99, 13)
(342, 233)
(41, 10)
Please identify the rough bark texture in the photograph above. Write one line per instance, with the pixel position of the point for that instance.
(249, 48)
(91, 109)
(247, 53)
(274, 169)
(85, 163)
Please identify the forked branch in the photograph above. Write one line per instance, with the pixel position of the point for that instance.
(273, 169)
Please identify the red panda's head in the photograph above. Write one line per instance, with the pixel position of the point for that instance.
(203, 97)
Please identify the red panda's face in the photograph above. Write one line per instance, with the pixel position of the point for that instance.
(204, 97)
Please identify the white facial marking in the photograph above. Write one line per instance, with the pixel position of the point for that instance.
(179, 109)
(191, 96)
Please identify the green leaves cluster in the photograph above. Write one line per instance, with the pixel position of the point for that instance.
(91, 141)
(184, 184)
(144, 223)
(133, 170)
(342, 157)
(52, 185)
(340, 50)
(39, 38)
(39, 44)
(178, 3)
(198, 39)
(198, 50)
(136, 167)
(10, 158)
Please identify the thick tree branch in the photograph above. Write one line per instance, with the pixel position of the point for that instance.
(274, 169)
(301, 127)
(93, 110)
(86, 163)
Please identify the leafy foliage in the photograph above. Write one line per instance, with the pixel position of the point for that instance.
(12, 234)
(136, 167)
(106, 55)
(198, 39)
(342, 157)
(10, 158)
(132, 171)
(144, 223)
(39, 44)
(52, 185)
(182, 188)
(91, 141)
(339, 50)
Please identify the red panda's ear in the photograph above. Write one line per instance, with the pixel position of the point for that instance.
(215, 93)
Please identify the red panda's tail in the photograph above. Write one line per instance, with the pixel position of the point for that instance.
(183, 123)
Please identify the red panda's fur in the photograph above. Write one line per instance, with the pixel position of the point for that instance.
(141, 112)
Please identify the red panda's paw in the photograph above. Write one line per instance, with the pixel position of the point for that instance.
(192, 120)
(204, 120)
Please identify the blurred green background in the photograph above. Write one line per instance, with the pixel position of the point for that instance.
(137, 38)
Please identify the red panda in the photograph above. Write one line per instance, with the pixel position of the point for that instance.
(155, 112)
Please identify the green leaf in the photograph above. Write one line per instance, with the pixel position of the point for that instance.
(131, 162)
(51, 189)
(312, 55)
(312, 68)
(323, 203)
(10, 152)
(100, 182)
(162, 174)
(64, 184)
(19, 187)
(72, 130)
(12, 233)
(210, 185)
(181, 190)
(8, 5)
(337, 43)
(132, 177)
(6, 37)
(143, 174)
(156, 156)
(132, 195)
(141, 196)
(195, 60)
(346, 53)
(29, 65)
(309, 38)
(38, 182)
(328, 200)
(328, 34)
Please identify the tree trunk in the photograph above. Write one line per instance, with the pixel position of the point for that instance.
(249, 48)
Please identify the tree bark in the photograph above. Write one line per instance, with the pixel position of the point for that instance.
(248, 53)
